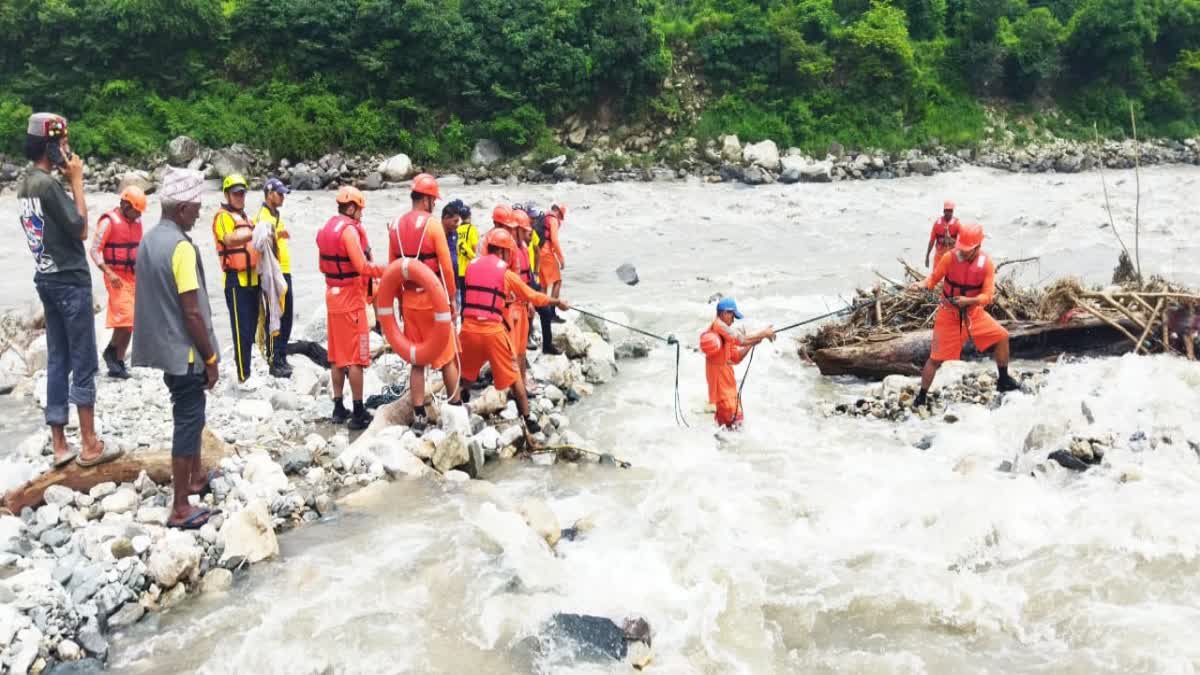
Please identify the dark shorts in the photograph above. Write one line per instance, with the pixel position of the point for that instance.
(188, 400)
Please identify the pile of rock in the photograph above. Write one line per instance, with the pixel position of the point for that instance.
(84, 564)
(892, 400)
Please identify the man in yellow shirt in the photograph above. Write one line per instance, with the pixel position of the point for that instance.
(273, 195)
(173, 333)
(232, 232)
(467, 246)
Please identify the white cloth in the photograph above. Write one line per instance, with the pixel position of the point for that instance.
(270, 276)
(181, 185)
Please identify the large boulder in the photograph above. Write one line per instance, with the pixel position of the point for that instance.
(304, 178)
(731, 148)
(237, 158)
(817, 172)
(486, 152)
(174, 558)
(756, 175)
(250, 534)
(265, 474)
(791, 169)
(600, 361)
(396, 168)
(182, 150)
(551, 165)
(764, 154)
(138, 179)
(451, 452)
(570, 340)
(926, 166)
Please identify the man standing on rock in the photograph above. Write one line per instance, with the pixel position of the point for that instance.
(55, 227)
(968, 279)
(723, 349)
(550, 258)
(345, 261)
(174, 333)
(417, 235)
(490, 286)
(943, 234)
(467, 248)
(114, 251)
(232, 232)
(274, 192)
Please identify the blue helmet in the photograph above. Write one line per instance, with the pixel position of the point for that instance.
(729, 305)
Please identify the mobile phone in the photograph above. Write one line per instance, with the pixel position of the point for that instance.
(55, 154)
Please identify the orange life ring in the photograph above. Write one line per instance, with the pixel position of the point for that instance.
(412, 270)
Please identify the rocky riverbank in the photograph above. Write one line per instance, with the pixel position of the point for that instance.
(85, 564)
(643, 157)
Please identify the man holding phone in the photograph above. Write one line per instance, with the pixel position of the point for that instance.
(55, 225)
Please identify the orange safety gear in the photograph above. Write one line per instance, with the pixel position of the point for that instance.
(562, 210)
(503, 216)
(348, 194)
(121, 241)
(521, 264)
(970, 236)
(523, 220)
(334, 260)
(500, 238)
(136, 198)
(426, 184)
(400, 273)
(947, 205)
(710, 343)
(485, 296)
(945, 233)
(965, 278)
(235, 258)
(408, 238)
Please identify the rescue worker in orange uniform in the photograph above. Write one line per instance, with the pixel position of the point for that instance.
(232, 232)
(491, 286)
(520, 316)
(968, 279)
(723, 349)
(417, 234)
(345, 260)
(944, 232)
(551, 262)
(114, 252)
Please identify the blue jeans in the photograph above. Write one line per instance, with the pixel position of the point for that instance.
(71, 361)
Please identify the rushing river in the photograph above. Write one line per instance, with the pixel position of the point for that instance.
(802, 544)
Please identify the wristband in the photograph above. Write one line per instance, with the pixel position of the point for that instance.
(211, 360)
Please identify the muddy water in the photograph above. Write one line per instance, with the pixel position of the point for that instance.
(803, 544)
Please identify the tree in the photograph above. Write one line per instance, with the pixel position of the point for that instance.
(1107, 41)
(1033, 48)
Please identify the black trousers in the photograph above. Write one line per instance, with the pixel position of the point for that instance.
(243, 320)
(280, 343)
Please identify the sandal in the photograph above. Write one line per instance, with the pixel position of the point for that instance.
(193, 522)
(107, 454)
(66, 459)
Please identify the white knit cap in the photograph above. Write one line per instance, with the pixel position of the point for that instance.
(181, 185)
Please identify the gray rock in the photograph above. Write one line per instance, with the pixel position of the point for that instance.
(237, 158)
(122, 548)
(486, 152)
(81, 667)
(56, 537)
(217, 580)
(628, 275)
(756, 175)
(181, 150)
(817, 172)
(297, 461)
(764, 154)
(588, 175)
(396, 168)
(102, 490)
(373, 181)
(925, 166)
(731, 148)
(121, 501)
(59, 495)
(304, 178)
(550, 165)
(1068, 164)
(138, 179)
(90, 639)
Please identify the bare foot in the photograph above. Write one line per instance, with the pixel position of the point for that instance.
(191, 518)
(92, 449)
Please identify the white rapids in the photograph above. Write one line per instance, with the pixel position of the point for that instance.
(803, 543)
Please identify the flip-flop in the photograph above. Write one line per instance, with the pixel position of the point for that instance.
(193, 522)
(208, 479)
(66, 459)
(106, 455)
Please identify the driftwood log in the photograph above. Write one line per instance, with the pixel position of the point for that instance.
(125, 469)
(905, 354)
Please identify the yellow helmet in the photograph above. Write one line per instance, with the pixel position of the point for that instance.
(234, 180)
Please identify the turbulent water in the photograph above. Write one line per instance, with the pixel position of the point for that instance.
(804, 543)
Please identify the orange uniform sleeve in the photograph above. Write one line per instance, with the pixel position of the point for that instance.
(103, 227)
(442, 247)
(989, 284)
(552, 235)
(523, 291)
(939, 272)
(358, 259)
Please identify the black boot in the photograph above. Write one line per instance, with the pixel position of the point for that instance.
(116, 368)
(420, 421)
(361, 419)
(340, 414)
(1005, 382)
(280, 367)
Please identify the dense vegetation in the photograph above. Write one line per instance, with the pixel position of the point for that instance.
(429, 77)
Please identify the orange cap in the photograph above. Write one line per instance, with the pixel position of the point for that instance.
(136, 198)
(523, 220)
(947, 205)
(501, 238)
(348, 194)
(710, 343)
(426, 184)
(502, 215)
(970, 236)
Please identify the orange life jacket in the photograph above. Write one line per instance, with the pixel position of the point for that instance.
(235, 258)
(521, 266)
(334, 262)
(964, 279)
(120, 248)
(485, 297)
(408, 237)
(945, 234)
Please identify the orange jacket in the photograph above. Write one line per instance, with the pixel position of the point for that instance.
(414, 299)
(344, 299)
(718, 368)
(516, 289)
(989, 276)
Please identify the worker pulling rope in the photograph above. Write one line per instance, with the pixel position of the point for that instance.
(669, 339)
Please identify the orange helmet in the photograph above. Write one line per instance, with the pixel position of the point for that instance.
(710, 343)
(136, 198)
(970, 236)
(501, 238)
(947, 205)
(523, 220)
(562, 210)
(503, 216)
(348, 194)
(425, 184)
